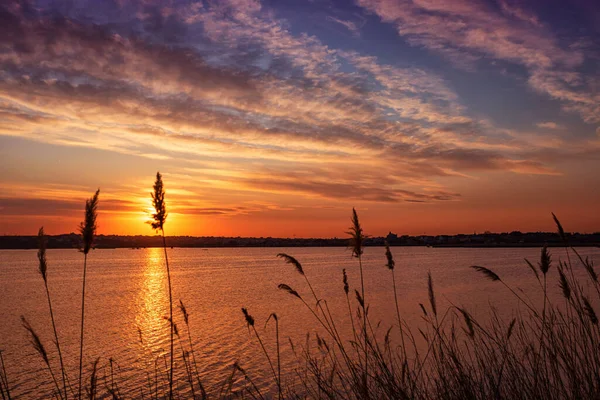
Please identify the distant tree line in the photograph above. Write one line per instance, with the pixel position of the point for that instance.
(487, 239)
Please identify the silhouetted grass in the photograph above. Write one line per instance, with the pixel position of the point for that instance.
(88, 231)
(158, 224)
(549, 350)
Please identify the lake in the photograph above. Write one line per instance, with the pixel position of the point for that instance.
(127, 290)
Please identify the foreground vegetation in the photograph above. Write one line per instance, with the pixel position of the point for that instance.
(548, 351)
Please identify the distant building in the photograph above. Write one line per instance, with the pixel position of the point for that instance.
(391, 237)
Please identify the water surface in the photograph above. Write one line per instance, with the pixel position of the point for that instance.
(127, 290)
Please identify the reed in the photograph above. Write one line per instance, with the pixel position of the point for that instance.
(39, 347)
(356, 244)
(88, 231)
(158, 224)
(250, 322)
(43, 270)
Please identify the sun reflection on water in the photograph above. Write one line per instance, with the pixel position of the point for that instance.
(153, 302)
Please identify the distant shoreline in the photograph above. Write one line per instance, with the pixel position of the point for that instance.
(483, 240)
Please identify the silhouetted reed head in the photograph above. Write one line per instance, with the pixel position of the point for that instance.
(88, 227)
(291, 260)
(431, 293)
(487, 272)
(158, 202)
(43, 266)
(589, 310)
(287, 288)
(345, 280)
(356, 235)
(173, 324)
(184, 312)
(361, 301)
(249, 318)
(388, 255)
(35, 340)
(468, 322)
(561, 231)
(564, 283)
(545, 260)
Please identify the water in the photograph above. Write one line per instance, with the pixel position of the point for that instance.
(127, 290)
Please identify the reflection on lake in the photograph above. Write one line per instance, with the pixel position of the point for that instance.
(127, 290)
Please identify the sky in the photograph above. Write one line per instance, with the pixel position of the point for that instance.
(275, 118)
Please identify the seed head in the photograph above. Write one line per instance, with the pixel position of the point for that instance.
(590, 311)
(158, 202)
(287, 288)
(561, 231)
(186, 315)
(35, 340)
(43, 267)
(88, 227)
(545, 260)
(487, 272)
(390, 259)
(356, 236)
(291, 260)
(249, 318)
(432, 301)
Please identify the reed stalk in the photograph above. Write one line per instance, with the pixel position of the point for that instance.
(356, 244)
(250, 322)
(158, 223)
(88, 231)
(41, 350)
(43, 270)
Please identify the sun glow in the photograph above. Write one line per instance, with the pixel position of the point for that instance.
(153, 302)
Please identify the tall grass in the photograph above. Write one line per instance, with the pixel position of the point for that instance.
(158, 224)
(88, 231)
(43, 270)
(549, 348)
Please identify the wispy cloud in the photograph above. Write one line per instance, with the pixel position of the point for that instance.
(477, 31)
(548, 125)
(351, 26)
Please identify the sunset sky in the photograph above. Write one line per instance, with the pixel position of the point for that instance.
(275, 118)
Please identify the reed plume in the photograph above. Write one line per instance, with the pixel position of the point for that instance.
(357, 238)
(487, 272)
(287, 288)
(41, 350)
(250, 322)
(559, 227)
(158, 223)
(431, 294)
(590, 310)
(391, 264)
(564, 284)
(545, 260)
(43, 270)
(88, 231)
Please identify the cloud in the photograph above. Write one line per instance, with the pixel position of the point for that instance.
(228, 94)
(548, 125)
(473, 30)
(351, 26)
